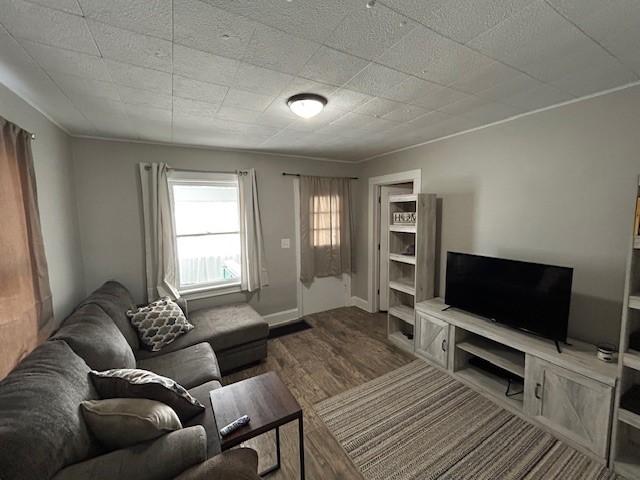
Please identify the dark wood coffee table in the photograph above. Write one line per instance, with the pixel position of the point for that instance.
(269, 404)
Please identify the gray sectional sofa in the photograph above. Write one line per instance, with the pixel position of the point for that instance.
(42, 431)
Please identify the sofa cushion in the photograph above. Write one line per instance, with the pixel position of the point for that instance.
(236, 464)
(159, 323)
(122, 422)
(223, 327)
(190, 367)
(41, 427)
(93, 336)
(207, 419)
(115, 300)
(135, 383)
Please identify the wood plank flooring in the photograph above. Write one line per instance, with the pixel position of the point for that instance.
(346, 347)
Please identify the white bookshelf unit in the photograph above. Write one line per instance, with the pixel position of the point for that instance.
(625, 450)
(411, 264)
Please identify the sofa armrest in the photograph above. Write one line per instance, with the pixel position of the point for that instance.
(236, 464)
(162, 458)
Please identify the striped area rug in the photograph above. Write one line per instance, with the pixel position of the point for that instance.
(419, 423)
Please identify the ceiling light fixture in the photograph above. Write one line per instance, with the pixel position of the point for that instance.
(306, 105)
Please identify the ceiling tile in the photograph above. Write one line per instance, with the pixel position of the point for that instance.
(376, 80)
(246, 100)
(595, 79)
(139, 77)
(491, 112)
(347, 99)
(279, 51)
(136, 96)
(69, 6)
(405, 113)
(129, 47)
(311, 19)
(204, 66)
(378, 107)
(438, 97)
(141, 113)
(260, 80)
(538, 97)
(432, 57)
(411, 89)
(613, 24)
(197, 90)
(74, 86)
(510, 86)
(193, 108)
(304, 85)
(331, 66)
(369, 32)
(237, 114)
(483, 77)
(460, 20)
(67, 61)
(542, 43)
(149, 17)
(211, 29)
(44, 25)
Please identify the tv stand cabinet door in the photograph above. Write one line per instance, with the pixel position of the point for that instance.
(432, 339)
(577, 407)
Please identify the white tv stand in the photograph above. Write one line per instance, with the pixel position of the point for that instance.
(569, 394)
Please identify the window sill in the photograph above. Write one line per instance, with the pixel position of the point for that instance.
(207, 292)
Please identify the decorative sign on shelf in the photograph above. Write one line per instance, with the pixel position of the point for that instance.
(404, 218)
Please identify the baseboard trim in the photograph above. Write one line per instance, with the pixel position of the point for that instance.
(282, 318)
(361, 303)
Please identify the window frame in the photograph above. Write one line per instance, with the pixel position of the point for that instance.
(206, 179)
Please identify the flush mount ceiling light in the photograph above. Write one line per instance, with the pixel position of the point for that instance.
(306, 105)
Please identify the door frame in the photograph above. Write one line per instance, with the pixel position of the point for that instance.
(373, 263)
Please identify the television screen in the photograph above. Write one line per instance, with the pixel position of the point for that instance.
(523, 295)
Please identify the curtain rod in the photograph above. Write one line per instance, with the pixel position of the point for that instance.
(298, 175)
(238, 172)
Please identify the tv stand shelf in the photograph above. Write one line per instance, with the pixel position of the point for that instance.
(570, 394)
(498, 354)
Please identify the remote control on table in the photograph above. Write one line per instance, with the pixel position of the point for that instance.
(233, 426)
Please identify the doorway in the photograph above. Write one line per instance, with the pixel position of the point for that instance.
(403, 182)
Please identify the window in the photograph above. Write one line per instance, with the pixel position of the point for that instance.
(207, 223)
(326, 220)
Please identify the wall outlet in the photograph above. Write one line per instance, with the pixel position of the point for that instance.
(285, 243)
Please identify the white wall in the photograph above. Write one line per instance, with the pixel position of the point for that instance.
(556, 187)
(107, 183)
(56, 199)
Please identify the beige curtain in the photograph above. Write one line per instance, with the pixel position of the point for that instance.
(325, 227)
(159, 232)
(26, 313)
(254, 266)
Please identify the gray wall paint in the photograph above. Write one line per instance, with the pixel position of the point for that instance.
(110, 215)
(556, 187)
(56, 198)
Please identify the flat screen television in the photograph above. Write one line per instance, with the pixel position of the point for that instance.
(527, 296)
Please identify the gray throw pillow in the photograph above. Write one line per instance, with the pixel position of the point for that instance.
(136, 383)
(159, 323)
(122, 422)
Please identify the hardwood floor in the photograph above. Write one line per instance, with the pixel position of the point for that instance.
(346, 347)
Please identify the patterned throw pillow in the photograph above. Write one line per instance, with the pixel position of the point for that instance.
(137, 383)
(159, 323)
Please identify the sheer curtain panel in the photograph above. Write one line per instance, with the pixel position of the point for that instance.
(159, 232)
(325, 227)
(254, 266)
(26, 313)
